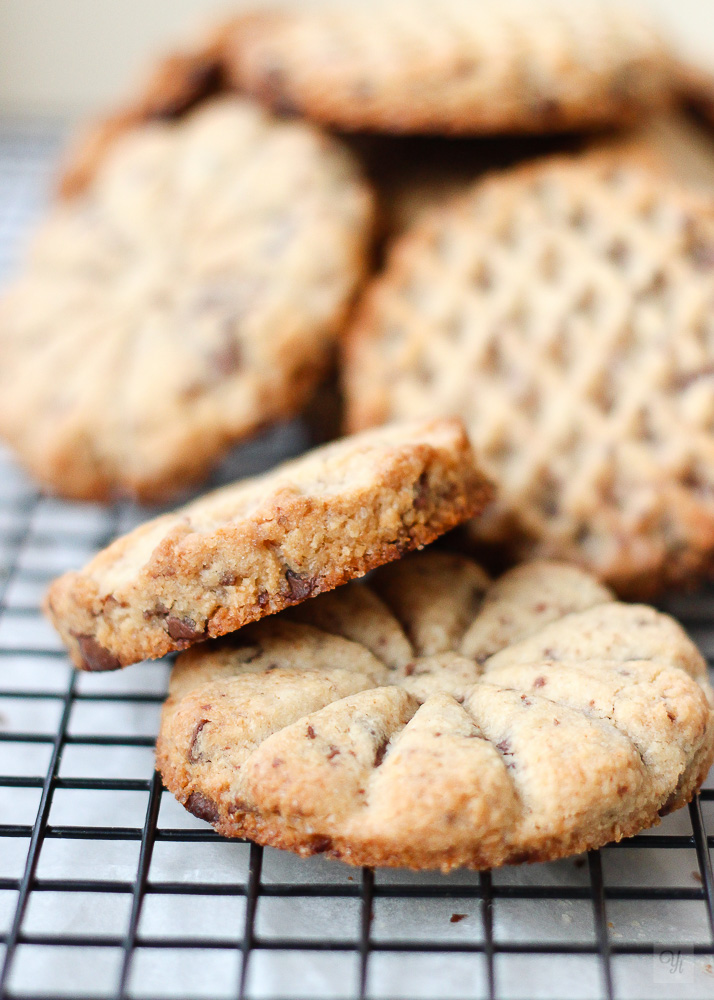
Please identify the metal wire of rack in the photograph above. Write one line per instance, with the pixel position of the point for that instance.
(109, 889)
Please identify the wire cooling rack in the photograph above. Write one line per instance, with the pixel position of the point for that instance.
(109, 889)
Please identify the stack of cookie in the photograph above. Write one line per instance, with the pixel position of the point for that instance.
(208, 259)
(429, 718)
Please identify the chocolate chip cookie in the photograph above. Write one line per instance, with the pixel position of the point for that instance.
(266, 543)
(564, 309)
(192, 295)
(435, 718)
(457, 67)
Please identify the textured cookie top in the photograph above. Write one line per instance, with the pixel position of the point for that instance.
(189, 297)
(455, 66)
(565, 310)
(260, 545)
(436, 718)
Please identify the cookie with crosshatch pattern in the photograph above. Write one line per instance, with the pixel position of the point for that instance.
(454, 67)
(565, 309)
(263, 544)
(434, 718)
(190, 297)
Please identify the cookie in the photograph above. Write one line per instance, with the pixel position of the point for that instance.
(454, 67)
(434, 718)
(266, 543)
(190, 297)
(674, 144)
(564, 310)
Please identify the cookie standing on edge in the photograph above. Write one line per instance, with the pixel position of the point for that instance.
(565, 310)
(434, 719)
(191, 296)
(454, 67)
(266, 543)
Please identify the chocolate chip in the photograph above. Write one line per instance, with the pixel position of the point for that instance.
(228, 359)
(545, 107)
(182, 628)
(456, 918)
(624, 83)
(380, 752)
(272, 88)
(364, 89)
(702, 255)
(202, 807)
(310, 733)
(272, 80)
(95, 656)
(300, 587)
(539, 682)
(262, 598)
(466, 66)
(228, 579)
(520, 857)
(669, 803)
(192, 755)
(318, 845)
(285, 106)
(421, 492)
(505, 748)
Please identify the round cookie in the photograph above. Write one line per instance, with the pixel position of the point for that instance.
(564, 309)
(436, 718)
(192, 295)
(266, 543)
(454, 67)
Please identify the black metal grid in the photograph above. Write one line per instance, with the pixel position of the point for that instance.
(108, 890)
